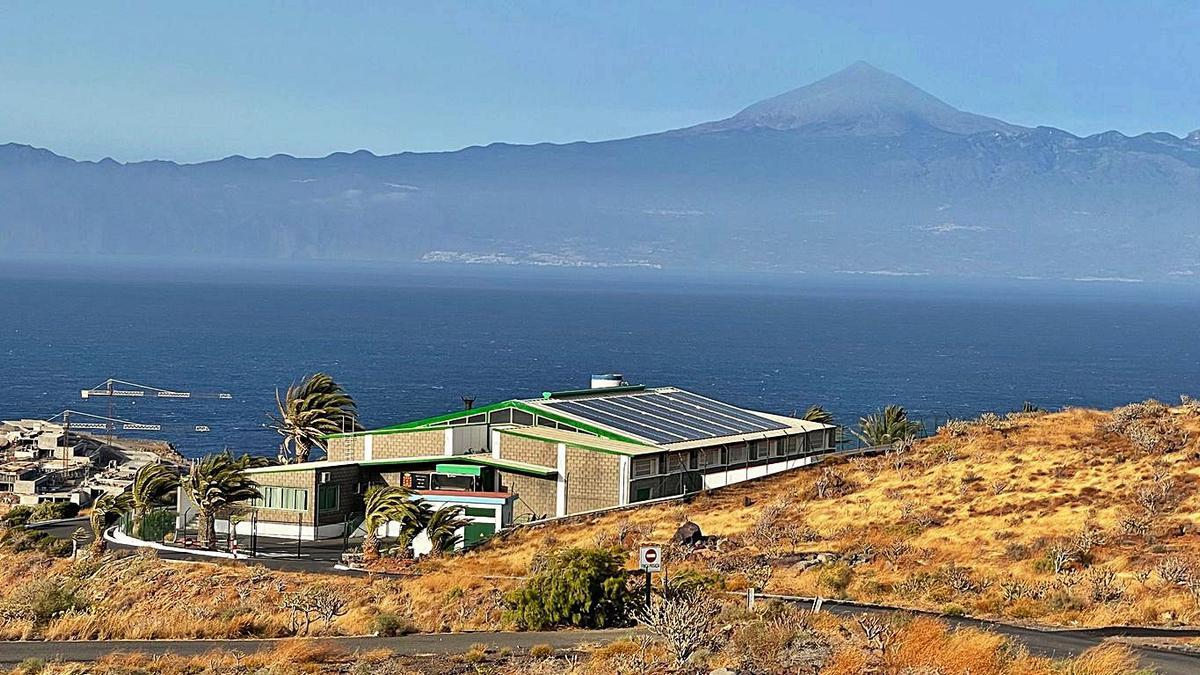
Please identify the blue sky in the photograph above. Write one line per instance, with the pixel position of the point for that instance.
(195, 81)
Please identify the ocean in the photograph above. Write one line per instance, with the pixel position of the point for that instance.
(407, 343)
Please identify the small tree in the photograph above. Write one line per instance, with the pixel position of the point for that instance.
(442, 528)
(307, 412)
(103, 509)
(683, 618)
(818, 414)
(385, 504)
(581, 587)
(215, 483)
(887, 426)
(151, 486)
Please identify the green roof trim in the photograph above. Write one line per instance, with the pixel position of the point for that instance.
(458, 469)
(531, 434)
(424, 424)
(510, 465)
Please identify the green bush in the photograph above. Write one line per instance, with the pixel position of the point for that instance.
(836, 577)
(952, 609)
(389, 625)
(580, 587)
(17, 515)
(43, 600)
(54, 511)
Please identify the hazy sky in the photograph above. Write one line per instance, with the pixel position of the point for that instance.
(194, 81)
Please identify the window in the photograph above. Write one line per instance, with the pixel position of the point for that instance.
(282, 498)
(710, 457)
(521, 417)
(643, 467)
(501, 416)
(676, 462)
(477, 419)
(737, 453)
(777, 448)
(567, 427)
(328, 497)
(546, 422)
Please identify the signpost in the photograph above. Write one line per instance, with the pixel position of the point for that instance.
(650, 561)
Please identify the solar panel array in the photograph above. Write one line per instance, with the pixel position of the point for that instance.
(666, 417)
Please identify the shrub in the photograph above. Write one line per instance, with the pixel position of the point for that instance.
(953, 609)
(386, 624)
(54, 511)
(31, 666)
(581, 587)
(542, 651)
(17, 515)
(836, 577)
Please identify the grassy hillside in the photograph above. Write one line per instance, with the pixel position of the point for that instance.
(1079, 517)
(973, 520)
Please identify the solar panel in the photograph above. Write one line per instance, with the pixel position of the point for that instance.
(617, 406)
(725, 409)
(649, 433)
(667, 417)
(707, 428)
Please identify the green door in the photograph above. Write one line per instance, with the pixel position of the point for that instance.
(475, 532)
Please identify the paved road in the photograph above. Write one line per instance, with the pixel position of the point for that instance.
(438, 643)
(1060, 644)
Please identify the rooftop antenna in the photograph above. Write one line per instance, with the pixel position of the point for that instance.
(468, 401)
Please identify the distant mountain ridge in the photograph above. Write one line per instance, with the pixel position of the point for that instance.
(858, 173)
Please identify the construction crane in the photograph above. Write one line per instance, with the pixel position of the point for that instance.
(109, 389)
(113, 388)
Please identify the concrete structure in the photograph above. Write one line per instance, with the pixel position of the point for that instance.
(528, 459)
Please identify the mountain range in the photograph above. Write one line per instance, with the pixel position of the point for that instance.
(858, 173)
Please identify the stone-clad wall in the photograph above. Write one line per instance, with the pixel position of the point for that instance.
(528, 450)
(593, 480)
(388, 446)
(535, 496)
(411, 444)
(344, 448)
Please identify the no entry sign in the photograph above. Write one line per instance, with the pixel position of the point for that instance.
(650, 558)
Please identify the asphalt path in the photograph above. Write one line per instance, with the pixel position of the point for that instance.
(431, 643)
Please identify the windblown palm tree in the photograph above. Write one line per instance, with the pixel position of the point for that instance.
(151, 487)
(887, 426)
(106, 506)
(818, 414)
(216, 482)
(384, 504)
(309, 410)
(442, 528)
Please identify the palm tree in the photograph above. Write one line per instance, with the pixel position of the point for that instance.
(216, 482)
(818, 414)
(311, 409)
(384, 504)
(104, 508)
(887, 426)
(151, 486)
(442, 528)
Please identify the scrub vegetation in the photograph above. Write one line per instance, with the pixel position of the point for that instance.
(1078, 517)
(775, 640)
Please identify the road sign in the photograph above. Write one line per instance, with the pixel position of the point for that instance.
(650, 558)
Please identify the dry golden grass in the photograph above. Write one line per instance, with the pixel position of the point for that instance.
(918, 646)
(985, 506)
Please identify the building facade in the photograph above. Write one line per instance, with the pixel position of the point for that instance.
(529, 459)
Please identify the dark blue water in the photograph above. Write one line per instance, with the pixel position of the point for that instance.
(409, 345)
